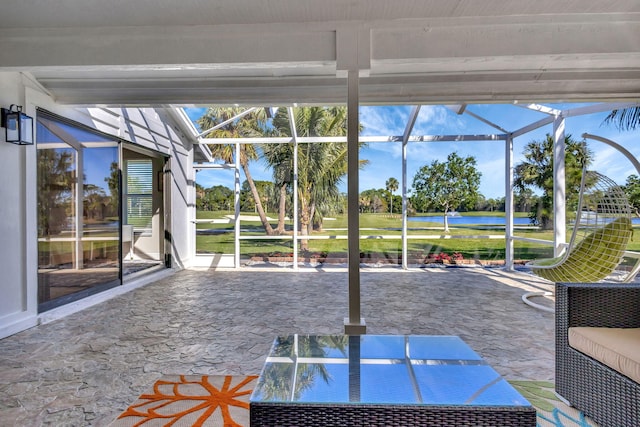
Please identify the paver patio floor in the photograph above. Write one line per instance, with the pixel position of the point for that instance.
(88, 367)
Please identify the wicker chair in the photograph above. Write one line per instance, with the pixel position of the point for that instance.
(610, 398)
(601, 232)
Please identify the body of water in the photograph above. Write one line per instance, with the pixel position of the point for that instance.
(480, 220)
(469, 220)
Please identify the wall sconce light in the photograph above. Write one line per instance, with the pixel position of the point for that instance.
(18, 126)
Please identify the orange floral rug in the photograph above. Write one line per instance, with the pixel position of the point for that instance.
(192, 400)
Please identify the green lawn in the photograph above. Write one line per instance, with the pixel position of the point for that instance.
(374, 225)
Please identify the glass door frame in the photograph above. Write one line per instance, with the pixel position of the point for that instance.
(162, 185)
(79, 185)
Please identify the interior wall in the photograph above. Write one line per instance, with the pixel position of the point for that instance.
(149, 245)
(18, 210)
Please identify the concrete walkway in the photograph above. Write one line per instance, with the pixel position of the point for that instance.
(88, 367)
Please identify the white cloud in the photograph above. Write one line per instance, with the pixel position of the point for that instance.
(610, 162)
(438, 120)
(384, 121)
(391, 150)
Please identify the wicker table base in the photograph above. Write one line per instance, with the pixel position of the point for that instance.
(344, 415)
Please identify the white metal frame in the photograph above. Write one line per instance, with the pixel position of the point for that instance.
(556, 118)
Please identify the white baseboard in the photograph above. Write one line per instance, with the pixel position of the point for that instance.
(19, 325)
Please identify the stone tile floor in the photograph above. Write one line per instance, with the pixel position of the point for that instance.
(86, 368)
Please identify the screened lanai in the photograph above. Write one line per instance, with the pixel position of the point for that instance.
(126, 69)
(91, 60)
(554, 122)
(292, 249)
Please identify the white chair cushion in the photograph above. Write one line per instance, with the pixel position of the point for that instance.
(618, 348)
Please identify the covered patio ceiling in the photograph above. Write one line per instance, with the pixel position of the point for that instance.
(279, 52)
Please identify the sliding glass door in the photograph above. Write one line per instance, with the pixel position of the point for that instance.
(101, 211)
(78, 212)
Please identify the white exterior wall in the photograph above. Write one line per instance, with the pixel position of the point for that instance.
(18, 306)
(18, 223)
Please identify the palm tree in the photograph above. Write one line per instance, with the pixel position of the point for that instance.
(392, 185)
(321, 166)
(56, 199)
(625, 119)
(280, 157)
(537, 171)
(250, 125)
(364, 203)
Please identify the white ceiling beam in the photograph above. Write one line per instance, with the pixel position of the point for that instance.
(95, 13)
(196, 12)
(405, 41)
(172, 48)
(417, 52)
(353, 50)
(373, 91)
(478, 40)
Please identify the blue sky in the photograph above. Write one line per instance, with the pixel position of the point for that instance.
(385, 158)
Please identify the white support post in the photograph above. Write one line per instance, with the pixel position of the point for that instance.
(508, 202)
(354, 324)
(405, 224)
(405, 139)
(559, 192)
(294, 134)
(236, 205)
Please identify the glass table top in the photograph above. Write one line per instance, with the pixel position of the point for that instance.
(380, 369)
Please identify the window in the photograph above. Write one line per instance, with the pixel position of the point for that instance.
(139, 192)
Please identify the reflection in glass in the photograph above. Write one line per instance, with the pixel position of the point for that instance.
(56, 216)
(101, 220)
(383, 369)
(78, 213)
(278, 376)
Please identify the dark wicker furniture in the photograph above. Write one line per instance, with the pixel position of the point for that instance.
(355, 415)
(382, 381)
(602, 393)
